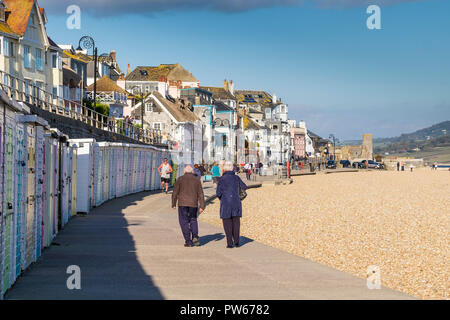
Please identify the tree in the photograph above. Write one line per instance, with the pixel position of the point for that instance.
(102, 109)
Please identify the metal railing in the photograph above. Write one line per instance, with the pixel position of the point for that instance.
(25, 91)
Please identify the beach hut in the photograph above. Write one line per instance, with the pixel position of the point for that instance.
(29, 138)
(84, 171)
(8, 233)
(74, 180)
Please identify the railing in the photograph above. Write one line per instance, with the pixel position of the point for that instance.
(110, 96)
(27, 92)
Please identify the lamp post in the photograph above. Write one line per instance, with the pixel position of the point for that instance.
(142, 104)
(334, 145)
(88, 43)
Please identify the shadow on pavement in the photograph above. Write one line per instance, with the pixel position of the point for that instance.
(211, 237)
(101, 245)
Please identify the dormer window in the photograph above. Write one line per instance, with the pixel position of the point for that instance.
(2, 12)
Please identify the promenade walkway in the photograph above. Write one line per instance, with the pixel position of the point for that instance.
(132, 248)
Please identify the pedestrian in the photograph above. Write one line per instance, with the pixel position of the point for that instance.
(165, 169)
(411, 167)
(260, 168)
(398, 166)
(235, 168)
(435, 166)
(215, 170)
(230, 204)
(188, 192)
(197, 172)
(248, 171)
(403, 166)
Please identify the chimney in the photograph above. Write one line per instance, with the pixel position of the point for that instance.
(128, 70)
(231, 87)
(225, 85)
(113, 55)
(274, 98)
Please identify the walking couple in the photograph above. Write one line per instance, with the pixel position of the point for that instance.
(188, 192)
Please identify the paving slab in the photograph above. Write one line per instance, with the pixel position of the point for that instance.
(132, 248)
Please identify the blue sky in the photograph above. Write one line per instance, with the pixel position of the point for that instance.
(323, 61)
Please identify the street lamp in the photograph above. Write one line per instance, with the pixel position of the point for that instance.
(88, 43)
(334, 144)
(142, 104)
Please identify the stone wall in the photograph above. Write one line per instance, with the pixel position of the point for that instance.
(78, 130)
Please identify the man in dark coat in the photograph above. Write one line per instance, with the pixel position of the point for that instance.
(188, 192)
(230, 204)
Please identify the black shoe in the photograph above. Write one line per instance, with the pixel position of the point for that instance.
(236, 245)
(229, 246)
(196, 242)
(187, 245)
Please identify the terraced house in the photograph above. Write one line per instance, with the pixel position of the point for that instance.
(29, 59)
(167, 79)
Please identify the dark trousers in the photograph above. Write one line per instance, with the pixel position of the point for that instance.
(187, 217)
(232, 229)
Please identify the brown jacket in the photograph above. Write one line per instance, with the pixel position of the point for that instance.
(188, 191)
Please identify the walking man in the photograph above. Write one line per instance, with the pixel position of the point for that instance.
(165, 169)
(188, 192)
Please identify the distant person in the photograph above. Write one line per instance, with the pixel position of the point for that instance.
(398, 166)
(215, 171)
(165, 169)
(235, 168)
(188, 192)
(411, 167)
(260, 165)
(202, 169)
(230, 204)
(248, 171)
(197, 172)
(435, 166)
(403, 166)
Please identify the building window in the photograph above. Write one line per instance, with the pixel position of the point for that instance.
(27, 57)
(61, 92)
(224, 140)
(39, 65)
(54, 60)
(55, 92)
(27, 87)
(8, 47)
(5, 79)
(60, 61)
(2, 12)
(157, 126)
(38, 89)
(149, 107)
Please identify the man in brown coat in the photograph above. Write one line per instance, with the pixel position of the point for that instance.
(188, 192)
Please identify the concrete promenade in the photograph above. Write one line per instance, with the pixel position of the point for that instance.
(132, 248)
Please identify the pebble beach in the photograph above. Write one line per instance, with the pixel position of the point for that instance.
(397, 221)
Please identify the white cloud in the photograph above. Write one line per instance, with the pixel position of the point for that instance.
(119, 7)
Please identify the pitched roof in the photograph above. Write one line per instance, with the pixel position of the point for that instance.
(7, 29)
(219, 93)
(52, 43)
(169, 71)
(105, 84)
(20, 14)
(250, 124)
(220, 106)
(181, 114)
(253, 97)
(78, 56)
